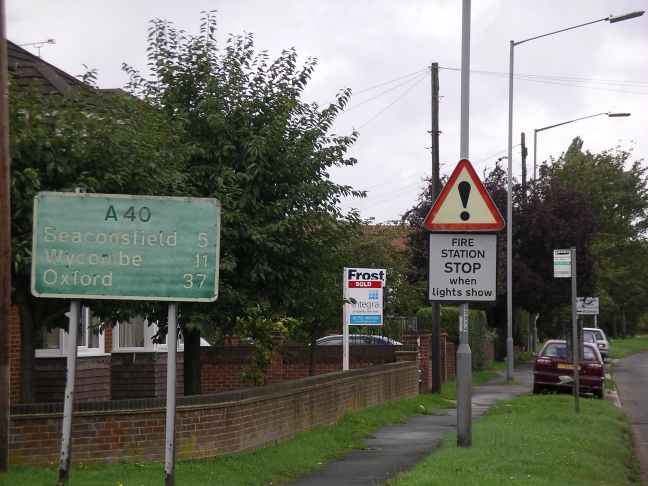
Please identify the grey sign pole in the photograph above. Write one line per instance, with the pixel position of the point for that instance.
(172, 337)
(575, 336)
(68, 405)
(464, 364)
(464, 358)
(345, 322)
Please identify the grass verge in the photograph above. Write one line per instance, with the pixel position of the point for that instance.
(621, 348)
(274, 464)
(535, 440)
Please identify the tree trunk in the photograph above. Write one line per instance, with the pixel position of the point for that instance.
(192, 363)
(35, 314)
(27, 348)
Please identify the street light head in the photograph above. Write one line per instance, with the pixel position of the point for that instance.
(613, 19)
(617, 114)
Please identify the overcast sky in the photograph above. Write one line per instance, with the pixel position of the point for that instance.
(364, 44)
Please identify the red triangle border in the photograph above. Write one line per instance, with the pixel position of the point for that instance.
(499, 221)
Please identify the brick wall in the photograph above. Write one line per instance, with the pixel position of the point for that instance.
(450, 361)
(490, 352)
(222, 366)
(207, 425)
(91, 381)
(142, 375)
(14, 357)
(425, 355)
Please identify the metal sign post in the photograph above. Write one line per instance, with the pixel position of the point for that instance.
(575, 330)
(464, 365)
(172, 337)
(345, 323)
(565, 267)
(463, 205)
(68, 405)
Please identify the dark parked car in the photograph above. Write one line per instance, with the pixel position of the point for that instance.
(552, 370)
(355, 339)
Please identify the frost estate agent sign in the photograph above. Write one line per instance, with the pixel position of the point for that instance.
(366, 287)
(125, 247)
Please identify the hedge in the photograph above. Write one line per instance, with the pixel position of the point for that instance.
(477, 326)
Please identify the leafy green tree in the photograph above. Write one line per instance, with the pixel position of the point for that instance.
(617, 189)
(111, 144)
(547, 217)
(264, 153)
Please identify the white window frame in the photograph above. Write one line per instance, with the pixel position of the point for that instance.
(149, 346)
(64, 341)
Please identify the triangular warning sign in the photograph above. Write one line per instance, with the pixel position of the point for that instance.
(464, 204)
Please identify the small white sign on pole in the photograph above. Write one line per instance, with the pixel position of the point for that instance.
(366, 287)
(562, 264)
(587, 306)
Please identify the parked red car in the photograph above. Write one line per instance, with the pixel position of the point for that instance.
(552, 370)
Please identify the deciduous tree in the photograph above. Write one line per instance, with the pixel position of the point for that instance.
(264, 153)
(617, 190)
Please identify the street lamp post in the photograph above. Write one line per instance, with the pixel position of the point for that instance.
(535, 133)
(509, 210)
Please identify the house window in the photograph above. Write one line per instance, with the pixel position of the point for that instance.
(50, 343)
(137, 335)
(131, 334)
(89, 340)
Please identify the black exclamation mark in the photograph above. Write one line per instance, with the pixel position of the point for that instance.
(464, 193)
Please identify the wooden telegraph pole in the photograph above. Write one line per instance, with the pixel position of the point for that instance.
(5, 248)
(436, 190)
(524, 156)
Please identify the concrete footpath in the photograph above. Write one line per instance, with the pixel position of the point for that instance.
(398, 448)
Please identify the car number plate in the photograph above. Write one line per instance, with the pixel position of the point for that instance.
(567, 366)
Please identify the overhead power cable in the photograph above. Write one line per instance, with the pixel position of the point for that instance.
(392, 81)
(580, 82)
(383, 196)
(393, 102)
(392, 194)
(346, 110)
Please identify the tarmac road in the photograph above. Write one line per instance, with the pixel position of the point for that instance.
(631, 377)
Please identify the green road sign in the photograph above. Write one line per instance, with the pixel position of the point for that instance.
(125, 247)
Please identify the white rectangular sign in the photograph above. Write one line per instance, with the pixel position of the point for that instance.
(587, 305)
(562, 263)
(366, 287)
(463, 267)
